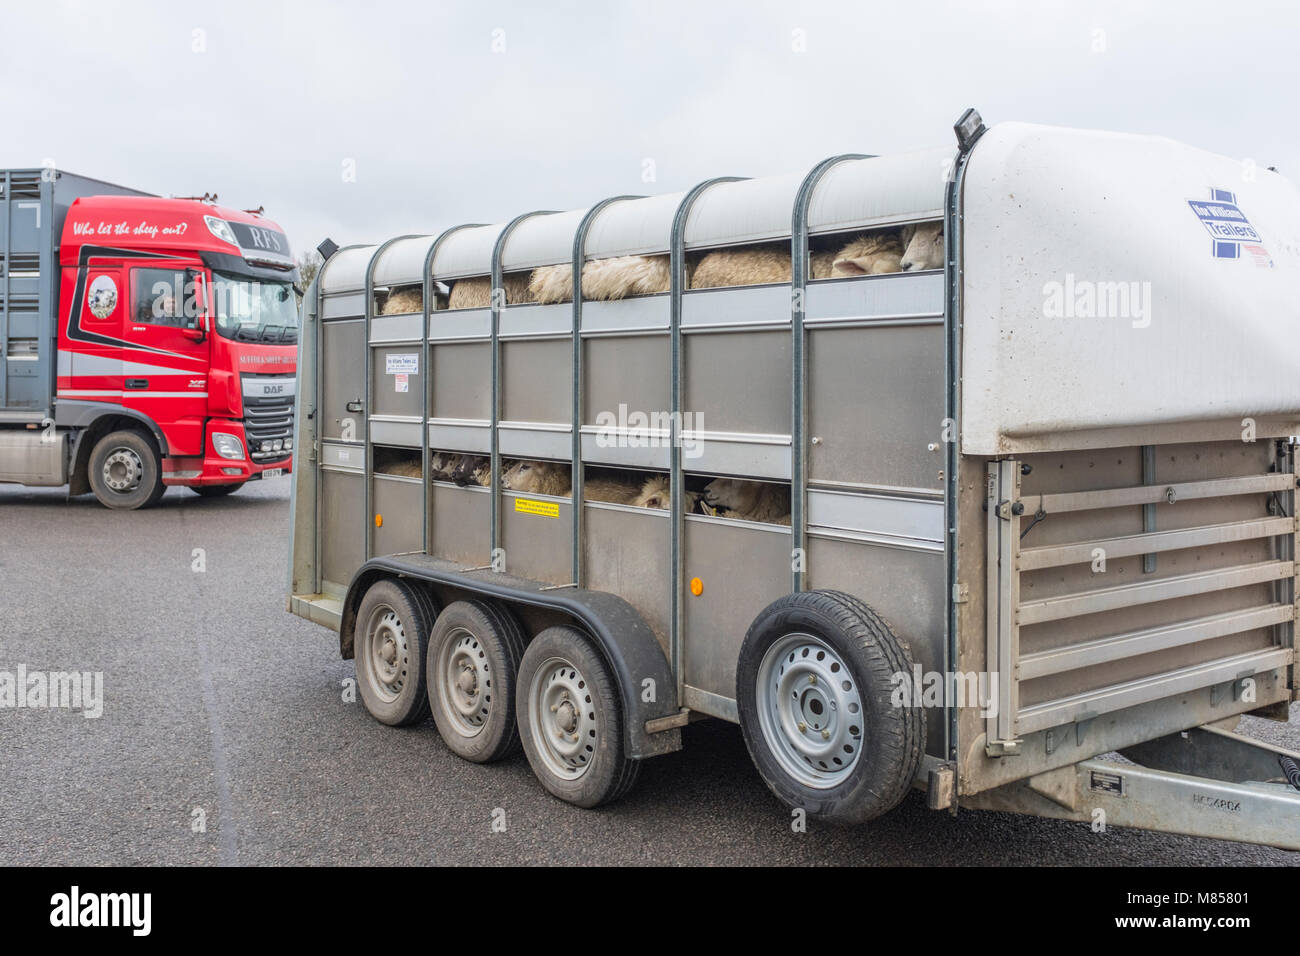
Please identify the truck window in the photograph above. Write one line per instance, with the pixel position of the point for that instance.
(160, 297)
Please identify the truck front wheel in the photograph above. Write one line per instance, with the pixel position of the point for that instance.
(125, 472)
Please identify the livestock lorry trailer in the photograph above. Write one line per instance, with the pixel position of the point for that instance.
(976, 479)
(147, 342)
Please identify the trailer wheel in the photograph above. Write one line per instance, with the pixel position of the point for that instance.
(215, 491)
(391, 641)
(474, 655)
(571, 721)
(813, 689)
(125, 472)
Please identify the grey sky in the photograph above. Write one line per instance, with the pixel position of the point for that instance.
(443, 129)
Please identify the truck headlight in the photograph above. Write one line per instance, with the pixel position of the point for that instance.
(221, 229)
(228, 446)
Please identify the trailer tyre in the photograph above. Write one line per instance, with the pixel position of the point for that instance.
(474, 655)
(571, 720)
(391, 643)
(125, 471)
(813, 690)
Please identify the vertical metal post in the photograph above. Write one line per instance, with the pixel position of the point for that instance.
(676, 481)
(320, 398)
(1148, 511)
(952, 324)
(8, 265)
(1003, 594)
(48, 266)
(579, 390)
(799, 260)
(497, 297)
(367, 456)
(426, 357)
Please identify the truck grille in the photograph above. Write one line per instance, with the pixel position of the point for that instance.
(266, 421)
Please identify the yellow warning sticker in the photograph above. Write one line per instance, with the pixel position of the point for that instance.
(547, 509)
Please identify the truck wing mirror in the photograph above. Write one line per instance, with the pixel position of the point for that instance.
(196, 325)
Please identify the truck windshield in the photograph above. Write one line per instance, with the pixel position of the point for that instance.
(249, 310)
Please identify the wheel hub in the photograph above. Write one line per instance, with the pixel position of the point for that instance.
(810, 710)
(466, 682)
(564, 727)
(123, 470)
(388, 650)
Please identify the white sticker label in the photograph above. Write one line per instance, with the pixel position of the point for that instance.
(402, 382)
(405, 362)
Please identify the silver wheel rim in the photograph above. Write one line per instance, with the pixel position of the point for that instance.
(464, 682)
(810, 711)
(123, 470)
(563, 718)
(386, 652)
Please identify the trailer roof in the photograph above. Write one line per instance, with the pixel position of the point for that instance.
(1095, 296)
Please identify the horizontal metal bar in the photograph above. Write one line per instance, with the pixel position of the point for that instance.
(1054, 556)
(1133, 643)
(706, 702)
(1053, 713)
(1156, 494)
(1148, 592)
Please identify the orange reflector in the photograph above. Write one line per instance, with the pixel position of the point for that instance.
(379, 521)
(697, 586)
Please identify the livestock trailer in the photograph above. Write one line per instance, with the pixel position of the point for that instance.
(1041, 487)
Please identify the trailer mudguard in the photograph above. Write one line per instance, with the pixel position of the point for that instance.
(622, 635)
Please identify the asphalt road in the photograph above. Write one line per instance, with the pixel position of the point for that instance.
(222, 709)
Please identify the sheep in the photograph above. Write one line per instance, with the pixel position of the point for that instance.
(408, 299)
(538, 478)
(603, 279)
(402, 301)
(614, 490)
(476, 292)
(461, 469)
(869, 254)
(405, 467)
(924, 247)
(749, 500)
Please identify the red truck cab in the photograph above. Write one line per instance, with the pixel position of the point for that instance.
(179, 317)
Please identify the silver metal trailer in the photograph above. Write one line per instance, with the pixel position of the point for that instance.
(1042, 496)
(33, 206)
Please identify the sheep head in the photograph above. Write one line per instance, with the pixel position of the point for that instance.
(537, 477)
(924, 247)
(732, 494)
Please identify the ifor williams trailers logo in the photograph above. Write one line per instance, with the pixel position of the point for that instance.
(1230, 231)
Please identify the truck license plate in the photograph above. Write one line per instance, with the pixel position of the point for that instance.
(273, 473)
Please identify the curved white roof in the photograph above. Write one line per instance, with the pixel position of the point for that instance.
(881, 190)
(467, 252)
(542, 240)
(633, 227)
(346, 270)
(402, 263)
(751, 210)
